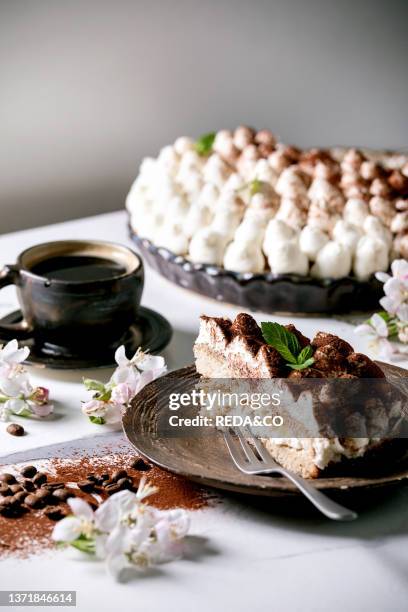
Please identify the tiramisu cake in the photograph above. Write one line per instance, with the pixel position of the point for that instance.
(241, 349)
(242, 200)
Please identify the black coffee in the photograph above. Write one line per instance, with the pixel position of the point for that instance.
(78, 268)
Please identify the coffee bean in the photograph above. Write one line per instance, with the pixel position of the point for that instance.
(108, 482)
(16, 488)
(43, 495)
(112, 488)
(39, 479)
(5, 490)
(55, 513)
(20, 497)
(141, 465)
(29, 471)
(118, 474)
(92, 477)
(8, 478)
(125, 483)
(104, 476)
(62, 494)
(15, 429)
(9, 507)
(53, 486)
(28, 485)
(32, 501)
(86, 485)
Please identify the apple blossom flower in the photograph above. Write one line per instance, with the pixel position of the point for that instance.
(124, 531)
(11, 356)
(110, 400)
(392, 323)
(17, 395)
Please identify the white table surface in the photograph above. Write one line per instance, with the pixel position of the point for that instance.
(253, 556)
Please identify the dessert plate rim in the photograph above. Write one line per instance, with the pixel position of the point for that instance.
(140, 420)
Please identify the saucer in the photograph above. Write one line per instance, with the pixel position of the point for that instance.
(151, 332)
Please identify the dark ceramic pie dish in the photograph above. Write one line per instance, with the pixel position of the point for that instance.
(263, 292)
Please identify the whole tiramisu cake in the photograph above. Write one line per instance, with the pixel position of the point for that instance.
(242, 200)
(241, 349)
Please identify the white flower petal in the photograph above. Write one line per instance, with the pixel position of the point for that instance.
(80, 508)
(402, 313)
(17, 406)
(382, 276)
(120, 356)
(67, 530)
(389, 305)
(399, 268)
(151, 362)
(116, 564)
(379, 325)
(363, 329)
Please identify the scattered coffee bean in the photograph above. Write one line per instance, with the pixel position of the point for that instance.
(86, 485)
(104, 476)
(107, 483)
(125, 483)
(62, 494)
(43, 496)
(39, 479)
(20, 496)
(92, 477)
(28, 485)
(8, 478)
(53, 486)
(16, 488)
(9, 507)
(55, 513)
(118, 474)
(141, 465)
(5, 490)
(15, 430)
(29, 471)
(32, 501)
(112, 488)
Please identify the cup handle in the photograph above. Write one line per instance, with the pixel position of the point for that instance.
(9, 331)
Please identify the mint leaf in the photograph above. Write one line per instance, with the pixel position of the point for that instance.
(301, 366)
(305, 354)
(282, 340)
(97, 420)
(204, 144)
(93, 385)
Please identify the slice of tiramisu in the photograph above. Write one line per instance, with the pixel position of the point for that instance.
(241, 349)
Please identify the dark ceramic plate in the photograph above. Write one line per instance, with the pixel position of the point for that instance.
(263, 292)
(151, 332)
(204, 458)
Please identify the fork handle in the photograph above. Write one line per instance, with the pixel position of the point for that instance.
(327, 506)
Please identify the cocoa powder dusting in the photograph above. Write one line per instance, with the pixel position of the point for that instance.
(30, 533)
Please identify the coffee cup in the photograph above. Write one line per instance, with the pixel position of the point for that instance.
(75, 294)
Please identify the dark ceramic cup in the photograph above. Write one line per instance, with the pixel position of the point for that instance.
(75, 315)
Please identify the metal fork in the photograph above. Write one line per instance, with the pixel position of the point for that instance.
(261, 462)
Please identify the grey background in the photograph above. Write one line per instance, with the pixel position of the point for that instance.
(90, 87)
